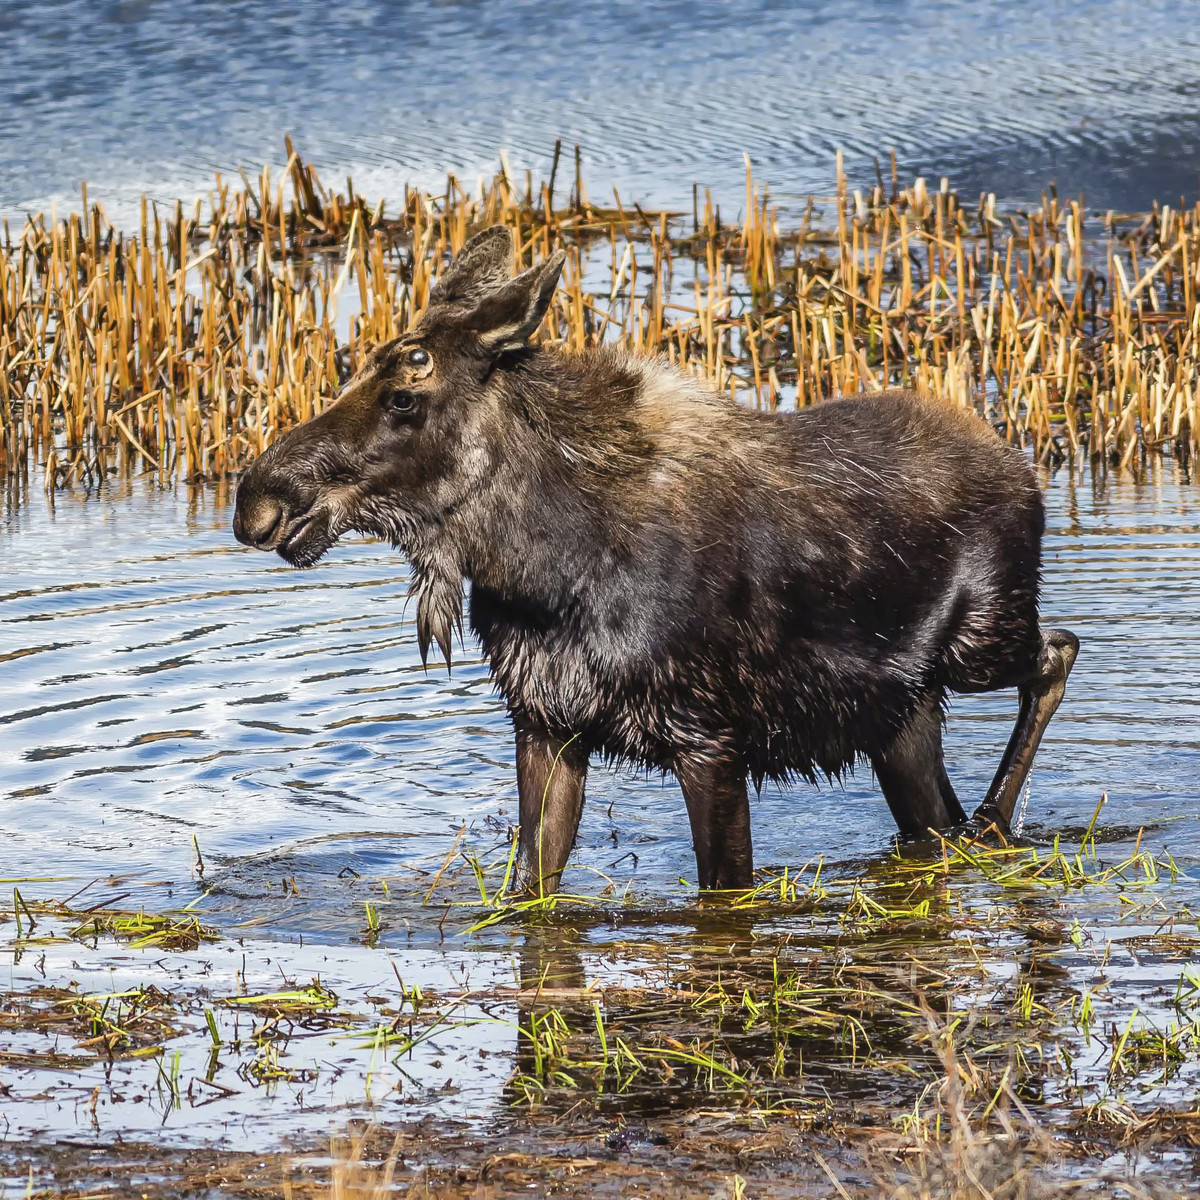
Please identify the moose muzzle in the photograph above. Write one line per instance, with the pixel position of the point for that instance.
(258, 521)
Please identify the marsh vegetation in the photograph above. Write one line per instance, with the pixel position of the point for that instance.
(195, 338)
(1003, 1022)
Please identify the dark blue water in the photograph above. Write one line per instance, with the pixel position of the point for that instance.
(1100, 96)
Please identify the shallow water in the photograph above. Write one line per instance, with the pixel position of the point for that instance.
(164, 691)
(163, 687)
(1101, 96)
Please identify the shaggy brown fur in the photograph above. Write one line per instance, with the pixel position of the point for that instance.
(660, 576)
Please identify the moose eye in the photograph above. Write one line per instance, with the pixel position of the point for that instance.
(398, 402)
(418, 357)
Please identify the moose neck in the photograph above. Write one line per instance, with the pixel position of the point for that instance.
(587, 454)
(529, 532)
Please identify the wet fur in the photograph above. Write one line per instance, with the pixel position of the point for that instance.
(657, 570)
(659, 576)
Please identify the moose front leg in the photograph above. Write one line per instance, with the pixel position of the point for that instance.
(550, 778)
(719, 811)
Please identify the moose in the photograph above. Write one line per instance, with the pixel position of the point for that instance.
(658, 575)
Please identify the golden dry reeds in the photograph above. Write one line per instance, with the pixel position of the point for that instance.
(195, 339)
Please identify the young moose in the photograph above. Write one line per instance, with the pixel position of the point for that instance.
(661, 576)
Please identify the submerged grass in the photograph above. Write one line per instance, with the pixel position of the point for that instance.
(196, 338)
(132, 1023)
(963, 1020)
(178, 930)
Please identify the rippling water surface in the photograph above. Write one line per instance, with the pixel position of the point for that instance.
(164, 691)
(134, 95)
(163, 687)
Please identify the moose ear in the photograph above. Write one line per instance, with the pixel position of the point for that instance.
(506, 319)
(482, 265)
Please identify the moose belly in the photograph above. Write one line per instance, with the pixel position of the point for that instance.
(807, 713)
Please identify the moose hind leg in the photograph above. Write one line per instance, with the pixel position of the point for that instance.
(719, 811)
(550, 779)
(912, 775)
(1040, 696)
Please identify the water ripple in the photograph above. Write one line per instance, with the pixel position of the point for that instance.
(1100, 95)
(193, 688)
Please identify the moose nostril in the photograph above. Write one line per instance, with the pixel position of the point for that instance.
(255, 523)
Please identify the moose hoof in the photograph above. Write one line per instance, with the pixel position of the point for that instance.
(985, 829)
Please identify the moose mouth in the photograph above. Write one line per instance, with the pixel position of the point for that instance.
(306, 539)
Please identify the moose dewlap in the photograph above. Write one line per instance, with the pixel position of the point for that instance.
(661, 576)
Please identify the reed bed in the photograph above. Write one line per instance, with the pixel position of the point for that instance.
(193, 340)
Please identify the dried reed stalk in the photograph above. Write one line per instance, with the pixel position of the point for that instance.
(197, 338)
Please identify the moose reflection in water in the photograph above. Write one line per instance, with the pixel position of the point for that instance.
(651, 1012)
(663, 577)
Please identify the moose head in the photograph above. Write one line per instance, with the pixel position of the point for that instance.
(417, 431)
